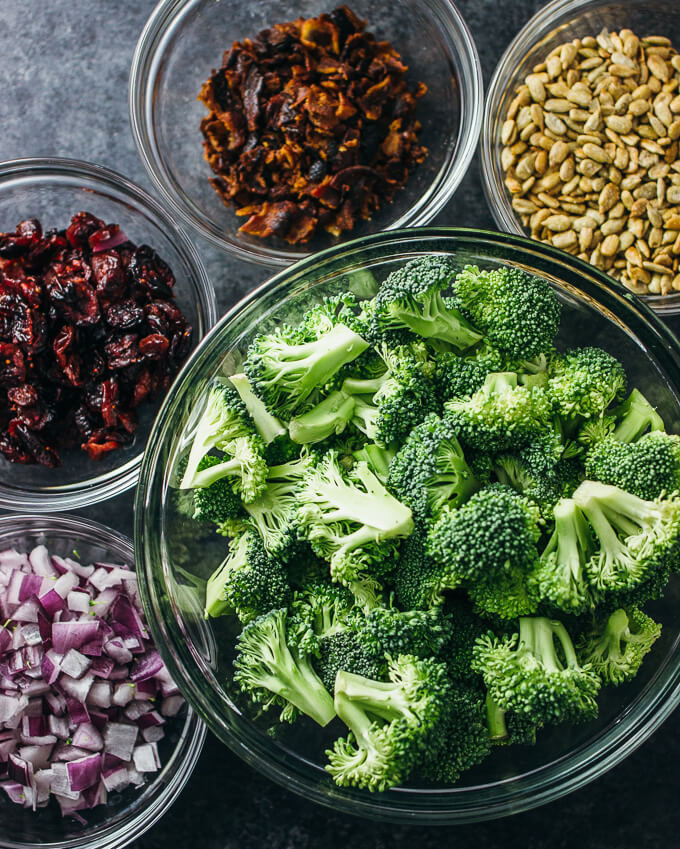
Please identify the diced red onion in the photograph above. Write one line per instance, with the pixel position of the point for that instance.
(172, 705)
(11, 707)
(77, 711)
(41, 562)
(84, 772)
(30, 586)
(117, 651)
(100, 694)
(146, 666)
(66, 564)
(75, 664)
(102, 667)
(58, 725)
(37, 754)
(125, 614)
(145, 758)
(78, 601)
(153, 734)
(19, 770)
(16, 791)
(87, 736)
(114, 779)
(73, 635)
(120, 739)
(123, 694)
(65, 751)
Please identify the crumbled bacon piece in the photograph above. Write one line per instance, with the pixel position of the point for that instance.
(311, 126)
(88, 330)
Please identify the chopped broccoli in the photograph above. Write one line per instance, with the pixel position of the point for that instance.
(332, 415)
(318, 612)
(464, 626)
(350, 518)
(377, 458)
(457, 376)
(501, 416)
(585, 381)
(274, 674)
(268, 426)
(389, 632)
(430, 472)
(245, 469)
(527, 675)
(616, 647)
(519, 313)
(561, 576)
(488, 546)
(635, 417)
(393, 724)
(411, 299)
(508, 728)
(218, 502)
(532, 470)
(223, 419)
(284, 372)
(647, 468)
(418, 579)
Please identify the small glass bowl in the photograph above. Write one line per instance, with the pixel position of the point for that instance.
(183, 42)
(53, 190)
(555, 23)
(130, 813)
(175, 556)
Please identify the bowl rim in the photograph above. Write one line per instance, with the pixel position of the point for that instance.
(194, 731)
(67, 171)
(563, 775)
(147, 60)
(538, 28)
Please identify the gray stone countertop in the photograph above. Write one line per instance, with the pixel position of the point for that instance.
(64, 71)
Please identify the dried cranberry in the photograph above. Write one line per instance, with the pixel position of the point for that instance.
(148, 271)
(109, 275)
(70, 291)
(68, 360)
(23, 396)
(154, 347)
(122, 351)
(100, 443)
(82, 226)
(124, 316)
(14, 450)
(12, 365)
(34, 444)
(46, 249)
(16, 244)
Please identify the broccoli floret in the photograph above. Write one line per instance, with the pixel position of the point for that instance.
(647, 468)
(388, 407)
(464, 738)
(532, 471)
(391, 632)
(274, 674)
(430, 472)
(506, 729)
(460, 376)
(417, 578)
(345, 652)
(268, 426)
(256, 583)
(330, 416)
(519, 313)
(635, 417)
(223, 419)
(488, 546)
(284, 372)
(585, 381)
(529, 676)
(319, 611)
(501, 416)
(216, 503)
(350, 518)
(273, 513)
(393, 724)
(595, 430)
(377, 458)
(638, 542)
(464, 626)
(245, 469)
(561, 576)
(616, 647)
(216, 603)
(411, 299)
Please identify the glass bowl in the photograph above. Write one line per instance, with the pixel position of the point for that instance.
(130, 813)
(182, 43)
(555, 23)
(175, 556)
(53, 190)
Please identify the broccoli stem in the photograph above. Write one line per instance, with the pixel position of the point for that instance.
(571, 538)
(439, 321)
(215, 603)
(356, 386)
(207, 477)
(268, 426)
(380, 698)
(638, 417)
(495, 720)
(328, 417)
(377, 458)
(536, 635)
(354, 718)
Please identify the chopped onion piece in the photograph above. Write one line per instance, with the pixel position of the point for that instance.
(120, 739)
(75, 664)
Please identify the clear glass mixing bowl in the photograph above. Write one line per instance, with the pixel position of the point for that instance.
(175, 555)
(130, 813)
(183, 41)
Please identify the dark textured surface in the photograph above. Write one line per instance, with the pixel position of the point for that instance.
(64, 69)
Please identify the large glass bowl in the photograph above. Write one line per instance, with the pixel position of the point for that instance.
(53, 190)
(174, 556)
(183, 42)
(555, 23)
(130, 813)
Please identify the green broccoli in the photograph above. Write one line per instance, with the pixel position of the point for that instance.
(638, 542)
(488, 546)
(218, 502)
(463, 626)
(268, 426)
(647, 468)
(526, 674)
(223, 419)
(319, 611)
(245, 469)
(635, 417)
(585, 382)
(519, 313)
(616, 647)
(377, 458)
(349, 518)
(457, 376)
(561, 576)
(508, 728)
(411, 299)
(532, 470)
(393, 725)
(274, 674)
(330, 416)
(418, 579)
(284, 372)
(388, 632)
(430, 472)
(256, 583)
(501, 416)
